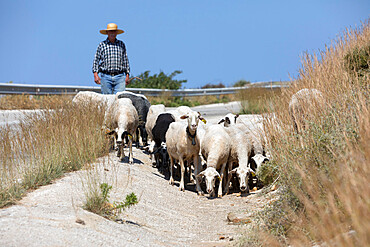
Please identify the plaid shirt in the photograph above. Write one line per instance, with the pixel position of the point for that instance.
(111, 57)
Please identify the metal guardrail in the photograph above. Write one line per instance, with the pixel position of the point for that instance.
(12, 88)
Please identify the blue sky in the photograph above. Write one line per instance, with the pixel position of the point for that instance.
(211, 41)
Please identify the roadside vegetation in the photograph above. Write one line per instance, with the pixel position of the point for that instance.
(323, 181)
(46, 145)
(98, 202)
(52, 142)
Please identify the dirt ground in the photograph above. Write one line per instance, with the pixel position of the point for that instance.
(53, 216)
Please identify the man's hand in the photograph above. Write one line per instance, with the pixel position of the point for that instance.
(96, 78)
(127, 80)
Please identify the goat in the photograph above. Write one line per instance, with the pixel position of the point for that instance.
(183, 145)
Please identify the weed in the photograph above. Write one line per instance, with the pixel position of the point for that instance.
(98, 202)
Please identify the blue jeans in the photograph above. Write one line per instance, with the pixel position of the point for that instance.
(112, 84)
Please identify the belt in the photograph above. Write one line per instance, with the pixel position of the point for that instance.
(112, 73)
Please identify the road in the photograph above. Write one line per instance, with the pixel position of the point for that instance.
(53, 215)
(211, 111)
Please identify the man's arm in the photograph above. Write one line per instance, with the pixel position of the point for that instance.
(96, 78)
(96, 65)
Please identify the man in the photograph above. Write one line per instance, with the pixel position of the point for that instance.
(111, 62)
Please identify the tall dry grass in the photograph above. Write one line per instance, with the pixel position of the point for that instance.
(25, 101)
(47, 144)
(257, 100)
(323, 171)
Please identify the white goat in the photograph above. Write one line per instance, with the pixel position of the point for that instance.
(215, 148)
(86, 97)
(122, 119)
(183, 145)
(241, 148)
(258, 138)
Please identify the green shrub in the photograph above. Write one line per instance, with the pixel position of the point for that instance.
(241, 83)
(98, 202)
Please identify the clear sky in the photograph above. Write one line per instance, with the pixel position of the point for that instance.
(53, 42)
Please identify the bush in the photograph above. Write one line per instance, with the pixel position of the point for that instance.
(209, 85)
(160, 81)
(241, 83)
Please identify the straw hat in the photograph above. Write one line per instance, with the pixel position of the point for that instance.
(111, 27)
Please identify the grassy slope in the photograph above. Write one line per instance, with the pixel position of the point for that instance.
(324, 180)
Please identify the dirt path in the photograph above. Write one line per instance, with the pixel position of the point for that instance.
(164, 216)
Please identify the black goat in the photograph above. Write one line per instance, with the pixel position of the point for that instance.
(159, 136)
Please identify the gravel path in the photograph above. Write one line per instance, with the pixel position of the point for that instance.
(53, 216)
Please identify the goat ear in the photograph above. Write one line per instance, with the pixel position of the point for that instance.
(221, 121)
(112, 132)
(203, 120)
(184, 116)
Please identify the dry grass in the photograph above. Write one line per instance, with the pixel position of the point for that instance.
(25, 102)
(257, 100)
(325, 178)
(47, 144)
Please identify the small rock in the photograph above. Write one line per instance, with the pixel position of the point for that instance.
(232, 205)
(231, 217)
(254, 189)
(222, 237)
(79, 221)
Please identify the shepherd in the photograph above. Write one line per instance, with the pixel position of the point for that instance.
(111, 62)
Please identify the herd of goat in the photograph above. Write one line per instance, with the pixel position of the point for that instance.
(224, 155)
